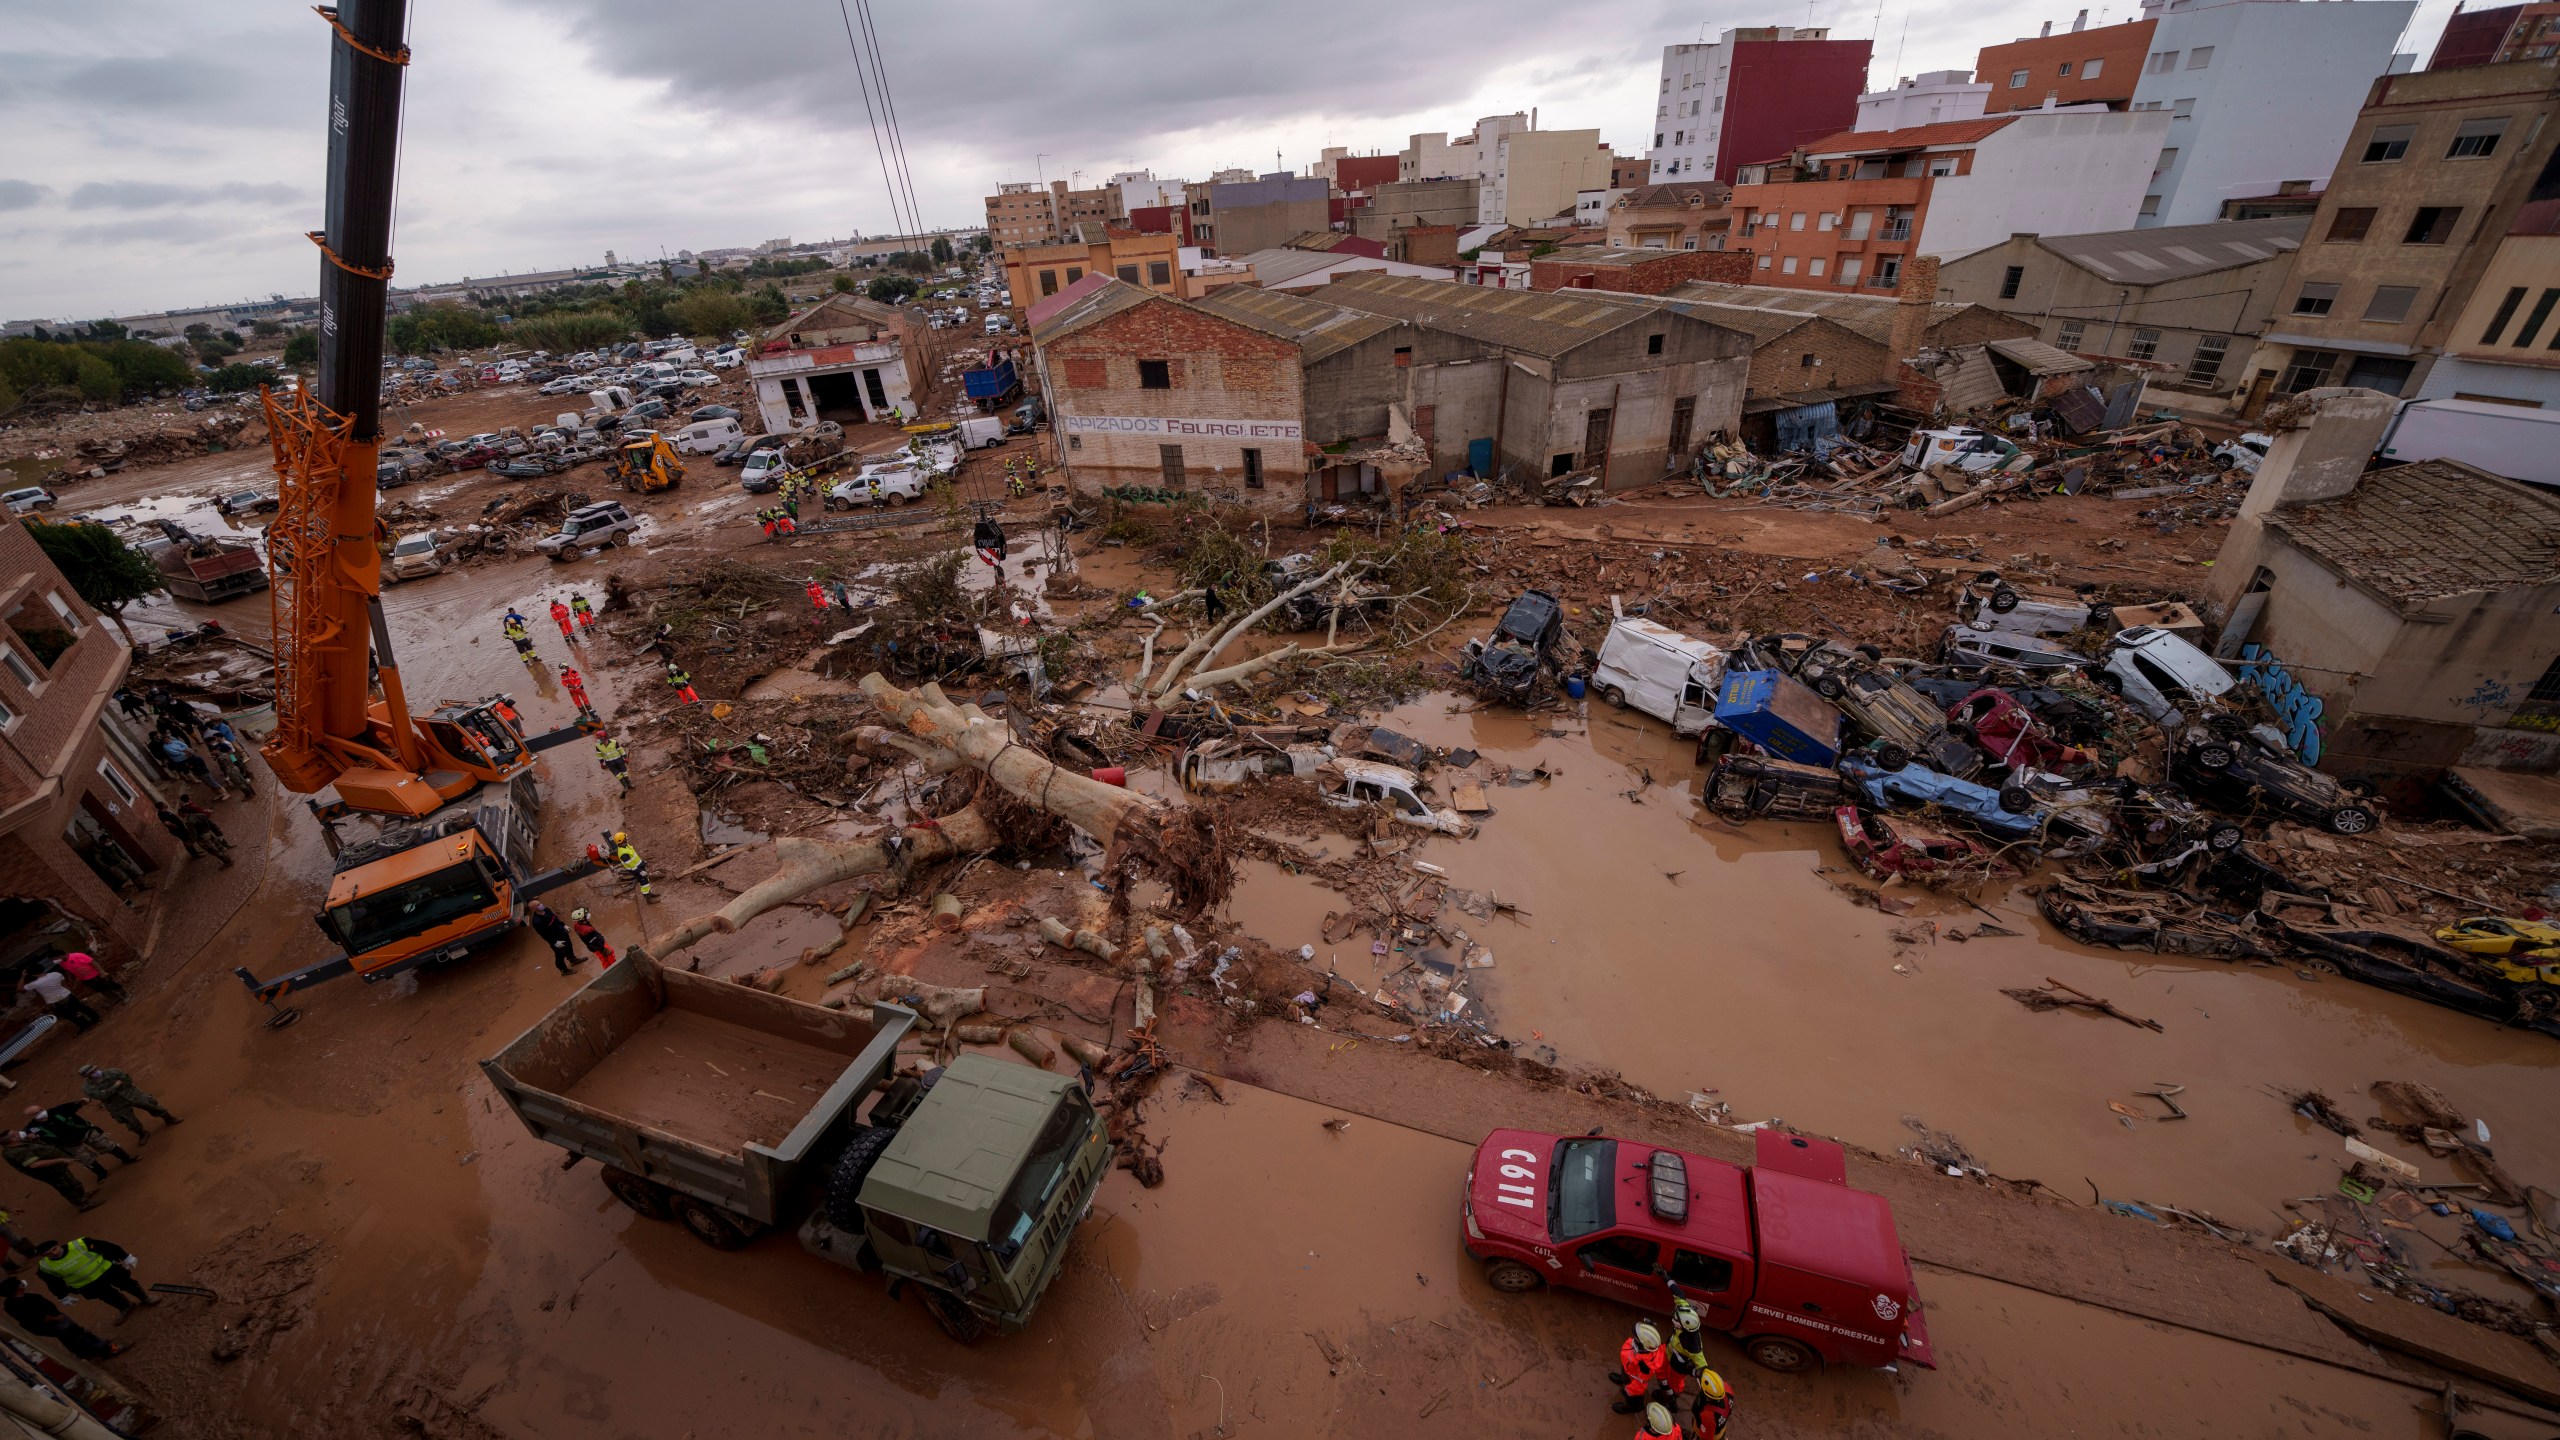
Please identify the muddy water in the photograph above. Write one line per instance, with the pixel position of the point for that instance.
(1696, 956)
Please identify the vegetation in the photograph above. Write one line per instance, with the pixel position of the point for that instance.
(941, 250)
(845, 284)
(107, 572)
(890, 289)
(69, 371)
(442, 325)
(231, 379)
(569, 331)
(303, 348)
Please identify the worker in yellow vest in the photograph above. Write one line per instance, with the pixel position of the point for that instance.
(93, 1270)
(628, 861)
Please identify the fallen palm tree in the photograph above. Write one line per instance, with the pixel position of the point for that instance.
(1140, 836)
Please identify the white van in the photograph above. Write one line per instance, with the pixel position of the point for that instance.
(1661, 672)
(2155, 669)
(980, 430)
(707, 437)
(609, 400)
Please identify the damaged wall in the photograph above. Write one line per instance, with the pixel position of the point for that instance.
(1707, 365)
(1226, 389)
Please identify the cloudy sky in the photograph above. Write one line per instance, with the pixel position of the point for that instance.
(164, 154)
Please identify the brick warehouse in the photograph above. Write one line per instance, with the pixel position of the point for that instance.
(1635, 271)
(1145, 390)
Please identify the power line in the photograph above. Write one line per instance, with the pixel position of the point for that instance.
(897, 136)
(877, 148)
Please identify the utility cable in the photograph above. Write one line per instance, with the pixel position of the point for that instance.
(897, 136)
(863, 80)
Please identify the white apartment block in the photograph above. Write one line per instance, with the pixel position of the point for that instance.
(1924, 100)
(1688, 117)
(1140, 189)
(2258, 92)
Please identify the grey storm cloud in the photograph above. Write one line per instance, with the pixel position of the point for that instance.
(20, 194)
(151, 195)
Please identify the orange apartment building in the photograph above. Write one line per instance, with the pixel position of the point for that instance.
(1147, 260)
(2076, 67)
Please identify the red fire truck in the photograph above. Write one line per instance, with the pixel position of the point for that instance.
(1783, 1256)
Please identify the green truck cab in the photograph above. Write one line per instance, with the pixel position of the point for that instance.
(966, 1182)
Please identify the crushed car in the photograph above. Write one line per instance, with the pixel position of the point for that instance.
(1507, 664)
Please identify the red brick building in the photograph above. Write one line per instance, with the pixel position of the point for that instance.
(1148, 391)
(2076, 67)
(1635, 272)
(78, 839)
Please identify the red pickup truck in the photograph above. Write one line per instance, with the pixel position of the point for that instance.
(1783, 1256)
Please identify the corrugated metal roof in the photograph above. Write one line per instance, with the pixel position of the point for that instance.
(2039, 358)
(1281, 264)
(1911, 137)
(1092, 298)
(1534, 322)
(1972, 383)
(2418, 532)
(1869, 315)
(1319, 329)
(2175, 252)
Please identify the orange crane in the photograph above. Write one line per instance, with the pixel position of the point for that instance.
(447, 799)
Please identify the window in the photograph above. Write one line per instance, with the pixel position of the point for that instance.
(2146, 344)
(2349, 224)
(2206, 364)
(1159, 272)
(1942, 166)
(1048, 282)
(1170, 457)
(1074, 273)
(2164, 61)
(1155, 375)
(2017, 79)
(2506, 312)
(1657, 139)
(2092, 69)
(1653, 344)
(2432, 225)
(2309, 371)
(372, 921)
(1814, 266)
(1129, 273)
(8, 717)
(1807, 360)
(1888, 271)
(2150, 205)
(2064, 69)
(2476, 139)
(20, 671)
(62, 609)
(1693, 1271)
(2010, 280)
(2533, 320)
(114, 777)
(1404, 357)
(1796, 221)
(2388, 143)
(2199, 57)
(1629, 1253)
(2167, 158)
(1253, 469)
(1825, 221)
(1764, 262)
(2315, 299)
(1849, 270)
(2390, 303)
(2183, 109)
(1788, 267)
(2068, 337)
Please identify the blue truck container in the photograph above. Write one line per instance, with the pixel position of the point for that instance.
(1781, 715)
(991, 387)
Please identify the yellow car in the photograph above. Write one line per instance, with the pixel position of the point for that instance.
(2524, 951)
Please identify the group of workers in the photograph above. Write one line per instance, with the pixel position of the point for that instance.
(1654, 1377)
(55, 1140)
(575, 618)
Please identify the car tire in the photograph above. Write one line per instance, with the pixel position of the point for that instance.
(844, 1183)
(712, 1225)
(1777, 1352)
(2017, 799)
(1513, 1278)
(2214, 755)
(1891, 756)
(2223, 838)
(642, 1196)
(2351, 820)
(1829, 687)
(2003, 600)
(2108, 680)
(1614, 696)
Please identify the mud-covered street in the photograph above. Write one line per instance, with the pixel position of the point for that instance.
(394, 1253)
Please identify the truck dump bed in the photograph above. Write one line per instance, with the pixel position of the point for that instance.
(729, 1094)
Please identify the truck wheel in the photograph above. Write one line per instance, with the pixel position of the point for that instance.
(1829, 687)
(646, 1197)
(1614, 696)
(1776, 1352)
(2351, 820)
(1891, 756)
(711, 1225)
(844, 1184)
(955, 1317)
(2003, 600)
(1513, 1278)
(2017, 799)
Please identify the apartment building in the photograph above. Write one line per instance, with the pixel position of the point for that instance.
(78, 837)
(2188, 300)
(1929, 99)
(2436, 167)
(1141, 190)
(1850, 209)
(1675, 215)
(1752, 94)
(1238, 218)
(2257, 92)
(1023, 213)
(1537, 174)
(2080, 66)
(2500, 347)
(1151, 261)
(1432, 155)
(2496, 36)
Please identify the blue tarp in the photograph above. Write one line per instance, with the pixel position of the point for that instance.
(1809, 427)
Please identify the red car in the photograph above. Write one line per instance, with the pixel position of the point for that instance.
(1896, 847)
(2011, 734)
(1783, 1256)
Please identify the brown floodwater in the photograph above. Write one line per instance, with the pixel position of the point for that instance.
(1696, 956)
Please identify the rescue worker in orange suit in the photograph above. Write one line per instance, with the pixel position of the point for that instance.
(1658, 1422)
(576, 684)
(560, 617)
(1642, 1364)
(683, 682)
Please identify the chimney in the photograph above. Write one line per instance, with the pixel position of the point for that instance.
(2079, 22)
(2045, 31)
(1911, 314)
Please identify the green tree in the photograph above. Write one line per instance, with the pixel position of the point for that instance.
(107, 572)
(667, 271)
(199, 331)
(213, 348)
(303, 348)
(845, 285)
(231, 379)
(889, 289)
(566, 332)
(941, 250)
(768, 305)
(141, 366)
(267, 329)
(707, 311)
(984, 244)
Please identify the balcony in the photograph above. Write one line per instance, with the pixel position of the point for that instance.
(1884, 282)
(1894, 230)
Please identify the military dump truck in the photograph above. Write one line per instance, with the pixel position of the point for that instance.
(734, 1111)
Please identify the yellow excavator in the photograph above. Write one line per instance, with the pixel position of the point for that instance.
(644, 462)
(436, 815)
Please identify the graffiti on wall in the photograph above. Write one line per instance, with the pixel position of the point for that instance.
(2296, 709)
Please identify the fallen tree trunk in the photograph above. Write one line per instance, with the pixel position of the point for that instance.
(1226, 637)
(815, 864)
